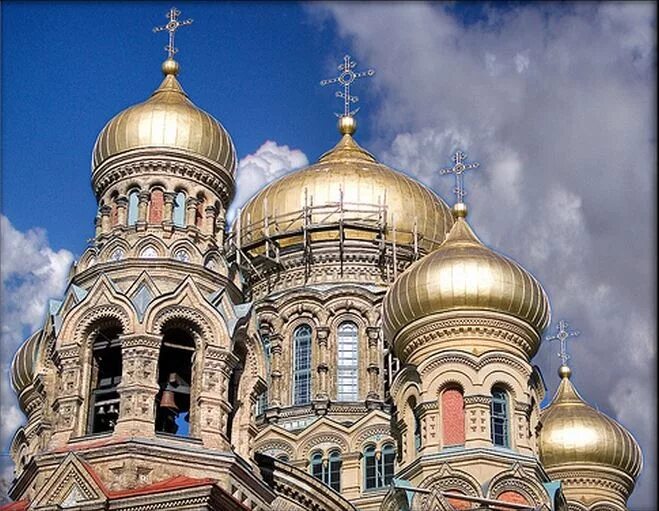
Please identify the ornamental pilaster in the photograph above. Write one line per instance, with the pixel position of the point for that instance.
(521, 427)
(142, 205)
(168, 210)
(322, 336)
(373, 368)
(275, 373)
(191, 210)
(139, 384)
(122, 210)
(67, 408)
(209, 220)
(428, 413)
(477, 419)
(219, 227)
(105, 219)
(213, 407)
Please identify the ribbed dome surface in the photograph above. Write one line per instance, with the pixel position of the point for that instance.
(364, 182)
(463, 274)
(24, 362)
(574, 433)
(168, 120)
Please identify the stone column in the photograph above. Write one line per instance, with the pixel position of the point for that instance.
(351, 475)
(70, 420)
(219, 227)
(168, 210)
(106, 211)
(477, 421)
(142, 205)
(139, 384)
(322, 392)
(429, 416)
(212, 403)
(209, 220)
(122, 210)
(191, 211)
(373, 367)
(275, 373)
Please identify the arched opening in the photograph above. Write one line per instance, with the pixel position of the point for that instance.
(302, 365)
(328, 471)
(262, 400)
(114, 211)
(234, 388)
(133, 205)
(105, 377)
(347, 364)
(178, 216)
(499, 416)
(199, 211)
(156, 205)
(175, 381)
(378, 467)
(453, 417)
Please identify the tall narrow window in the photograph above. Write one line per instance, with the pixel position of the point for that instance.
(175, 379)
(317, 469)
(370, 468)
(453, 418)
(347, 367)
(302, 368)
(378, 470)
(499, 414)
(106, 376)
(133, 204)
(262, 401)
(388, 457)
(199, 212)
(179, 209)
(417, 431)
(156, 205)
(334, 475)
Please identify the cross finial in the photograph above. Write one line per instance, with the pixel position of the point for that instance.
(347, 76)
(562, 335)
(172, 27)
(458, 169)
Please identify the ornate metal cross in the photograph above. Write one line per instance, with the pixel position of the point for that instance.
(459, 169)
(562, 336)
(172, 27)
(346, 78)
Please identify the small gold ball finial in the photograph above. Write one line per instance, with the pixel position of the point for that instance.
(459, 210)
(564, 371)
(347, 125)
(170, 67)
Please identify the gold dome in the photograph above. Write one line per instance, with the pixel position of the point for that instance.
(463, 274)
(167, 120)
(24, 363)
(352, 171)
(574, 433)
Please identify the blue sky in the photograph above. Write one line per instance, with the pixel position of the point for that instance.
(556, 101)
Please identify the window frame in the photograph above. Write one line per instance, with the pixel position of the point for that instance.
(347, 336)
(301, 374)
(500, 418)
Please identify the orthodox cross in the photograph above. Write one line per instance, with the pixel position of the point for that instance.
(459, 168)
(172, 27)
(562, 336)
(347, 76)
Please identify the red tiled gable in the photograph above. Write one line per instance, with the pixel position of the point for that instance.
(20, 505)
(173, 483)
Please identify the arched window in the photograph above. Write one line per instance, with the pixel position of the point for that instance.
(175, 380)
(499, 414)
(317, 469)
(156, 205)
(378, 471)
(179, 209)
(334, 481)
(133, 204)
(283, 457)
(199, 212)
(347, 367)
(453, 418)
(302, 367)
(106, 376)
(262, 401)
(417, 431)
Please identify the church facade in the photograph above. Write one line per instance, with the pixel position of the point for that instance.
(348, 343)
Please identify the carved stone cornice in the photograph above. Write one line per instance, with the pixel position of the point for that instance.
(477, 399)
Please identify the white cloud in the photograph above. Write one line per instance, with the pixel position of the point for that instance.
(557, 102)
(256, 170)
(32, 272)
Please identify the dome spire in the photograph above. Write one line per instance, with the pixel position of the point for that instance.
(458, 170)
(562, 336)
(347, 124)
(170, 66)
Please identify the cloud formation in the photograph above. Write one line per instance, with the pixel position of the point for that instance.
(32, 272)
(557, 102)
(260, 168)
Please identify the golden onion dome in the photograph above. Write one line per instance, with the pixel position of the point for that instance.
(574, 434)
(167, 120)
(24, 363)
(463, 274)
(349, 175)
